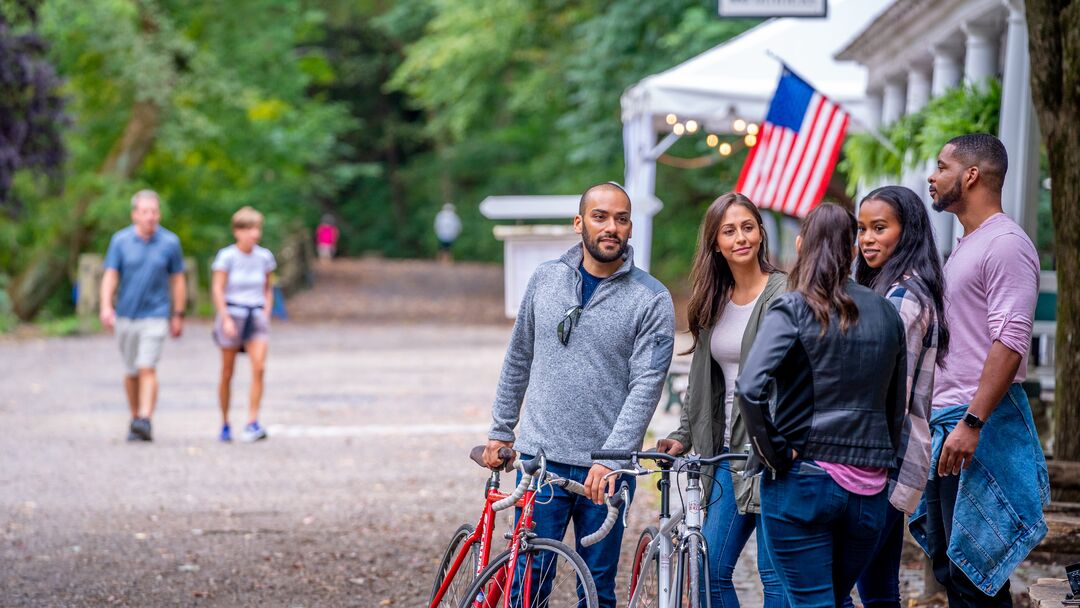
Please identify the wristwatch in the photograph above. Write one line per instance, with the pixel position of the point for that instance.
(179, 313)
(973, 421)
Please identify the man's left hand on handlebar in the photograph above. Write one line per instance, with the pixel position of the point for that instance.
(596, 487)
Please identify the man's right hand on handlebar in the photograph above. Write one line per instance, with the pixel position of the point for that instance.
(670, 446)
(491, 453)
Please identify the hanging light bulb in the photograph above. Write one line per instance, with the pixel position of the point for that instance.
(712, 140)
(739, 125)
(672, 119)
(725, 149)
(678, 129)
(691, 126)
(750, 140)
(752, 129)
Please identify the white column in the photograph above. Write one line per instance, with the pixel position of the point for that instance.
(918, 94)
(1019, 127)
(918, 88)
(873, 108)
(981, 59)
(948, 72)
(892, 105)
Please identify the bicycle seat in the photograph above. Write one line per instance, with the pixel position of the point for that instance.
(507, 455)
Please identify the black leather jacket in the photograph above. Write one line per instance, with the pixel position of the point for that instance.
(838, 397)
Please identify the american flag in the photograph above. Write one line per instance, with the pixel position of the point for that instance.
(796, 150)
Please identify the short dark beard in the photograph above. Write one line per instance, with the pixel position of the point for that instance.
(592, 245)
(948, 199)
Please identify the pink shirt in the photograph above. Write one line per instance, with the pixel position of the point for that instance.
(991, 285)
(864, 481)
(326, 234)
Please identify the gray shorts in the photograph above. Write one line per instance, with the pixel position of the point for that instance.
(141, 342)
(260, 330)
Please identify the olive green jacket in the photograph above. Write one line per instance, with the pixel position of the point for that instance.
(702, 423)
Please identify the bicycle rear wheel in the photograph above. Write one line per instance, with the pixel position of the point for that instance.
(645, 574)
(553, 573)
(465, 574)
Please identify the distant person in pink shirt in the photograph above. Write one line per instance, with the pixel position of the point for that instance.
(326, 238)
(988, 485)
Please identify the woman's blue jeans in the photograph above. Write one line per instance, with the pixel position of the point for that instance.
(820, 536)
(726, 532)
(879, 584)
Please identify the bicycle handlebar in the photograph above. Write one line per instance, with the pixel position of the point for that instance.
(661, 456)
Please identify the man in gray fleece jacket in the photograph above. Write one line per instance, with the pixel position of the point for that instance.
(594, 383)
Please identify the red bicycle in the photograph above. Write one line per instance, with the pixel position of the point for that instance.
(531, 572)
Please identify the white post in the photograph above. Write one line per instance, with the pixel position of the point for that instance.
(873, 108)
(1019, 127)
(918, 95)
(639, 137)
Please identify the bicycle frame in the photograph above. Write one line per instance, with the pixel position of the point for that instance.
(483, 533)
(682, 525)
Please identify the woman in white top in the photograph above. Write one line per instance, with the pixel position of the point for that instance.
(733, 284)
(243, 299)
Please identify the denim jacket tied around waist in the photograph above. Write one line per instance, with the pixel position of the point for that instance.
(999, 508)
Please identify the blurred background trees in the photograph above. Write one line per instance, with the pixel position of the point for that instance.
(376, 111)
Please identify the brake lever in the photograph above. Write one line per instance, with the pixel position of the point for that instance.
(625, 492)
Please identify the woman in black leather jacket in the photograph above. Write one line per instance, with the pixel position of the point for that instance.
(834, 352)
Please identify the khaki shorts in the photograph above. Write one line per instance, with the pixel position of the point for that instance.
(141, 341)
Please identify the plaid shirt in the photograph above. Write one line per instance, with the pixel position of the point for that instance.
(921, 330)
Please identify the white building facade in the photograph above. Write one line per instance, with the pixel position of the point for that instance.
(918, 49)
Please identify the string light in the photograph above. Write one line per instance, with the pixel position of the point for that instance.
(712, 140)
(678, 129)
(750, 140)
(739, 125)
(691, 126)
(672, 119)
(725, 149)
(752, 129)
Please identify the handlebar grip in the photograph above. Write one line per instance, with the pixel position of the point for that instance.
(614, 503)
(515, 496)
(612, 455)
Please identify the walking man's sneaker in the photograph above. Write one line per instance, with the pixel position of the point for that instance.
(140, 430)
(253, 432)
(226, 434)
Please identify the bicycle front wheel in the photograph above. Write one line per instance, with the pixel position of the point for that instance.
(547, 574)
(459, 579)
(644, 591)
(690, 571)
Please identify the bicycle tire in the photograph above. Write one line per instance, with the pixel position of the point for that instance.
(466, 572)
(691, 590)
(480, 594)
(645, 574)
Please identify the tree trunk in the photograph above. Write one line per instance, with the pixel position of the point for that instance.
(1054, 42)
(50, 264)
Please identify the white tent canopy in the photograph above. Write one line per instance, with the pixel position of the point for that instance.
(737, 80)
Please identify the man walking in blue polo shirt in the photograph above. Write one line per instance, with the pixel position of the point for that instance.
(146, 262)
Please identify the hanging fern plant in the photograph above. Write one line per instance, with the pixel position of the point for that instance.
(919, 136)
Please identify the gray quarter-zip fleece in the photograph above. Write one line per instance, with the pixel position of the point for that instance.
(600, 390)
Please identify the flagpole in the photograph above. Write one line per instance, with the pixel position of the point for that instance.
(869, 129)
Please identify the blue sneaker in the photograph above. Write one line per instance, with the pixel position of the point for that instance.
(226, 434)
(253, 432)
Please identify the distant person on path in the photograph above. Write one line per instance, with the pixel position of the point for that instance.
(586, 363)
(447, 229)
(326, 238)
(146, 262)
(982, 512)
(243, 298)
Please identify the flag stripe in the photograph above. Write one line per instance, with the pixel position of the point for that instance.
(805, 175)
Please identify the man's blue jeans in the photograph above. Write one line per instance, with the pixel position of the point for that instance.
(726, 532)
(556, 508)
(820, 536)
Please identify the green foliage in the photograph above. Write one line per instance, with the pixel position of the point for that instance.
(919, 136)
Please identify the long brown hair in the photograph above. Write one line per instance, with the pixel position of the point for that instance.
(711, 277)
(824, 265)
